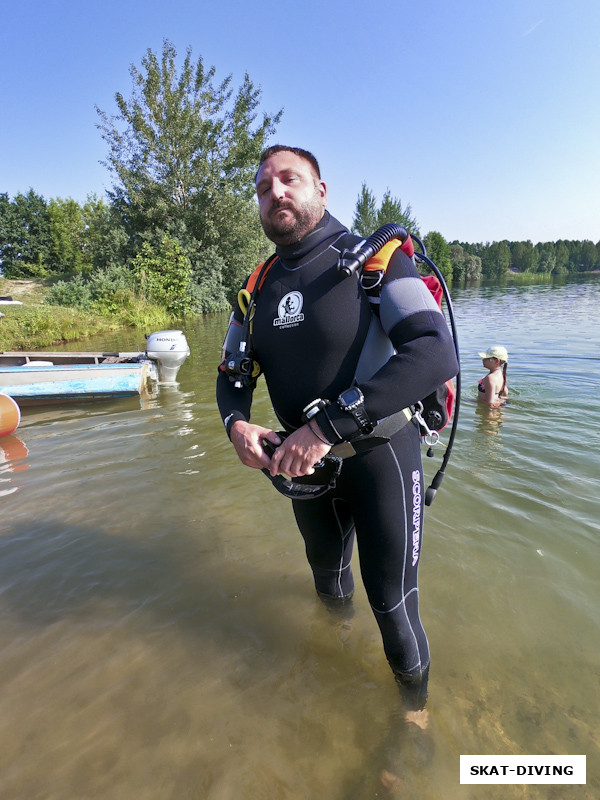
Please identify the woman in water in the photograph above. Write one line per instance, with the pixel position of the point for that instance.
(492, 388)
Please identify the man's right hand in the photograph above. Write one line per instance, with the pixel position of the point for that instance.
(247, 442)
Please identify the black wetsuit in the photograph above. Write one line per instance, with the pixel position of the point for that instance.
(310, 328)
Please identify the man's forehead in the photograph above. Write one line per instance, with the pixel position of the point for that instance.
(282, 161)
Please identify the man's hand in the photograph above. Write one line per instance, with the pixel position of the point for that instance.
(299, 453)
(247, 441)
(295, 457)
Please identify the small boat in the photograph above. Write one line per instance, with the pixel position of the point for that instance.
(6, 300)
(34, 378)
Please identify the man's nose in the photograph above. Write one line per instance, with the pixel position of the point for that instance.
(277, 189)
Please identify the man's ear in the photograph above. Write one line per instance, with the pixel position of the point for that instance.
(323, 192)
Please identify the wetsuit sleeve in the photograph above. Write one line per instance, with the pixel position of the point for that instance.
(424, 351)
(234, 403)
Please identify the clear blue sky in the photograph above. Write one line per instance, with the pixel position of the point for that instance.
(484, 116)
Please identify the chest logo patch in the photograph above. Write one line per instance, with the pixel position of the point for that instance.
(289, 310)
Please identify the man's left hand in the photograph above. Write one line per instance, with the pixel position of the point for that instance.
(299, 453)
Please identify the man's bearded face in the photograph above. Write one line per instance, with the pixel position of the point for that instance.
(291, 198)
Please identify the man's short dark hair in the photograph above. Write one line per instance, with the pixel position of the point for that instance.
(281, 148)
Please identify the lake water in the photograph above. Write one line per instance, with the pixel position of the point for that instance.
(159, 634)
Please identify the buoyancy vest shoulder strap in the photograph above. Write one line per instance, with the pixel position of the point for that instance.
(378, 262)
(254, 277)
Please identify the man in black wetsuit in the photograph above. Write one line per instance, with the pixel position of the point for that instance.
(313, 336)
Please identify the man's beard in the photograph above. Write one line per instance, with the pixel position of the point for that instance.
(302, 219)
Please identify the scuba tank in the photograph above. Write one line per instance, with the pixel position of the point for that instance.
(354, 260)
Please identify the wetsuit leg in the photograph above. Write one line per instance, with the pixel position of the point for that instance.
(328, 531)
(387, 503)
(385, 487)
(381, 492)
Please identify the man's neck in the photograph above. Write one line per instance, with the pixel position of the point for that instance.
(327, 227)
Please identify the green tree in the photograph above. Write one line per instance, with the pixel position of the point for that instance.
(465, 265)
(546, 257)
(105, 237)
(495, 259)
(575, 256)
(524, 256)
(561, 250)
(367, 217)
(391, 210)
(67, 233)
(183, 150)
(473, 267)
(589, 255)
(457, 259)
(365, 213)
(25, 229)
(165, 276)
(8, 232)
(438, 250)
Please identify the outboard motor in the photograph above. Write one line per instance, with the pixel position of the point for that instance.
(169, 349)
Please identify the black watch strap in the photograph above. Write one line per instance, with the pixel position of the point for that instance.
(353, 402)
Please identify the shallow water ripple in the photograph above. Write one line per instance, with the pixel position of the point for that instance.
(159, 635)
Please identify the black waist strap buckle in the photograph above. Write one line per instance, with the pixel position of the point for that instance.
(306, 487)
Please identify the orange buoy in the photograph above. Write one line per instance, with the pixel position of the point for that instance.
(10, 415)
(13, 453)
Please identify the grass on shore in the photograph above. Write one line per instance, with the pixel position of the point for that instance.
(33, 325)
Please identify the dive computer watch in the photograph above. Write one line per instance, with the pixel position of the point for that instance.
(353, 402)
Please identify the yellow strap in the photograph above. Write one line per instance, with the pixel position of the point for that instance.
(244, 300)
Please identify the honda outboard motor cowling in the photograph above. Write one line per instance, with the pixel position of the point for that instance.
(169, 349)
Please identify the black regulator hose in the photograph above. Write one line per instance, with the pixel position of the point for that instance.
(354, 259)
(439, 475)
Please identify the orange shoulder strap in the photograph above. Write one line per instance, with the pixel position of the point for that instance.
(251, 283)
(380, 260)
(254, 277)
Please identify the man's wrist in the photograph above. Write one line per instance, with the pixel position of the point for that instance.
(315, 430)
(327, 426)
(231, 419)
(312, 409)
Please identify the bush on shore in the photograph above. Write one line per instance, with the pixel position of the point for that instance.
(37, 324)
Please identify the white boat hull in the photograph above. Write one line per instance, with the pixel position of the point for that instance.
(34, 382)
(32, 377)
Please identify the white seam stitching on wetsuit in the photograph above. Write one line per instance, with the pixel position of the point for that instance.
(402, 602)
(341, 567)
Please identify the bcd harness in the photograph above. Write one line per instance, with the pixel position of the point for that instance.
(370, 258)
